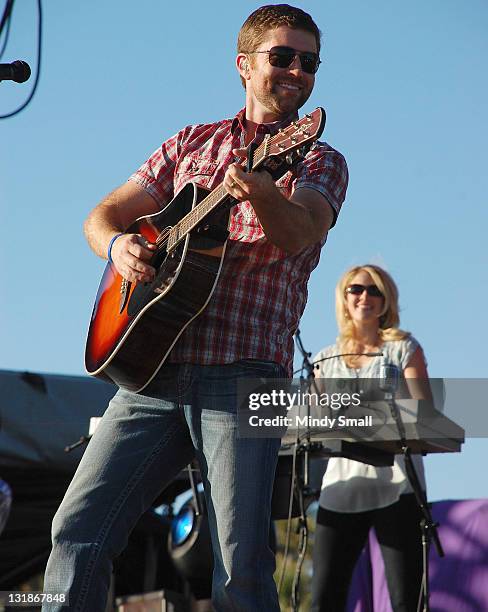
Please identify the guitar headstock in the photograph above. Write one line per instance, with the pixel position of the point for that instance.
(279, 153)
(301, 133)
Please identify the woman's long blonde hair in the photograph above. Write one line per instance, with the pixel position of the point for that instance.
(389, 317)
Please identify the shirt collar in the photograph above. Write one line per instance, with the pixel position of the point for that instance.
(262, 128)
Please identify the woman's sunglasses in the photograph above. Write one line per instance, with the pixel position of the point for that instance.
(283, 57)
(371, 290)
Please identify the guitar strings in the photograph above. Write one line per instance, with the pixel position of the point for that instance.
(207, 201)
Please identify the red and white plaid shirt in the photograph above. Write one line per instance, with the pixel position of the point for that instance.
(262, 291)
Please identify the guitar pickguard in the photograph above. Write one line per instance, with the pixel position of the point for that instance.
(144, 293)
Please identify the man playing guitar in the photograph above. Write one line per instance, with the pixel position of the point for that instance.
(276, 231)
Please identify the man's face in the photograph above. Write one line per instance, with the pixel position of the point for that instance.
(272, 92)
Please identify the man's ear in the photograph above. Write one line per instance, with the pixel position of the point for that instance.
(242, 64)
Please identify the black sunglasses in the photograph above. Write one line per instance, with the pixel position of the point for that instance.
(371, 290)
(283, 57)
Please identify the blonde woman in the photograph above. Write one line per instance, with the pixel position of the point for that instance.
(356, 496)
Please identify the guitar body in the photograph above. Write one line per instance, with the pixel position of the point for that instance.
(135, 325)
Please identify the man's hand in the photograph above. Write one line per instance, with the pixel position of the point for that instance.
(290, 224)
(117, 211)
(250, 186)
(130, 252)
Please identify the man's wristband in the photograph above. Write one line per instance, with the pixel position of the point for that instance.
(110, 245)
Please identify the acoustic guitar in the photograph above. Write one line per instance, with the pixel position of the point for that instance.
(134, 326)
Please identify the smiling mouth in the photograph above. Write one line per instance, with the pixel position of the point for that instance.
(289, 86)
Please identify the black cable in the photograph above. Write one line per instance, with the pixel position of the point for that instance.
(6, 14)
(302, 551)
(290, 512)
(6, 20)
(299, 490)
(4, 46)
(38, 72)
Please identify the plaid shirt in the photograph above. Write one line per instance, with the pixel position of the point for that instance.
(262, 291)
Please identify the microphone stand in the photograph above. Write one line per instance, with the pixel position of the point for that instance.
(302, 486)
(427, 524)
(308, 367)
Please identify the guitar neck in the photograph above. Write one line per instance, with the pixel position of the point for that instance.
(300, 134)
(208, 204)
(193, 218)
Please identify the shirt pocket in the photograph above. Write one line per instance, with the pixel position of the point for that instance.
(195, 169)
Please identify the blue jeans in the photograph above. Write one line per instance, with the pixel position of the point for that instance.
(141, 444)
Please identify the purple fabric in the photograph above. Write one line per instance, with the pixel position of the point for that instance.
(361, 592)
(458, 582)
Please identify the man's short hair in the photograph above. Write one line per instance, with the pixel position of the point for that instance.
(256, 27)
(259, 23)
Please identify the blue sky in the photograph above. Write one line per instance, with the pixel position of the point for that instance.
(406, 99)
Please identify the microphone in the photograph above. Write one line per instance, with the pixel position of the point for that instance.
(389, 378)
(17, 71)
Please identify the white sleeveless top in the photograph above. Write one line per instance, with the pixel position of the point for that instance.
(352, 486)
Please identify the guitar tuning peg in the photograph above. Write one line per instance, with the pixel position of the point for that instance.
(290, 159)
(314, 146)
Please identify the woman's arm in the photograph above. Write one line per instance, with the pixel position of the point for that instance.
(417, 377)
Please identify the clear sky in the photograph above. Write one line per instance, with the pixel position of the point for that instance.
(404, 86)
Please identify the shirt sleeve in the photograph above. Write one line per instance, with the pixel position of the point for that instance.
(408, 348)
(156, 175)
(325, 170)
